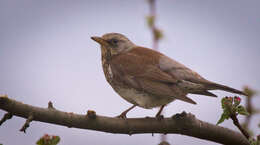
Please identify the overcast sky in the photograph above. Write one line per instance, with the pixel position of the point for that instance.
(46, 54)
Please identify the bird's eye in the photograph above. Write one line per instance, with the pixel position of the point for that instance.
(113, 41)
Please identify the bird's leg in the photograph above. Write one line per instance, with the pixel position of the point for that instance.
(158, 115)
(123, 114)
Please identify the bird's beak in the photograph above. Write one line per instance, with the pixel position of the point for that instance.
(99, 40)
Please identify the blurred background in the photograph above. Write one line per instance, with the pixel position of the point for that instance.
(46, 54)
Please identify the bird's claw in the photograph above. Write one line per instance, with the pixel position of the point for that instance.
(159, 117)
(123, 116)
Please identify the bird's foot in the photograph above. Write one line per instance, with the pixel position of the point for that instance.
(159, 117)
(122, 115)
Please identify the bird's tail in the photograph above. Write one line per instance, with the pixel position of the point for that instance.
(215, 86)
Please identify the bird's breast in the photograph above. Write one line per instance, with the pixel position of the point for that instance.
(107, 71)
(142, 99)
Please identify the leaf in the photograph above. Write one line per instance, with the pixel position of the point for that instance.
(150, 21)
(224, 116)
(253, 141)
(55, 140)
(158, 34)
(223, 102)
(226, 102)
(40, 142)
(48, 140)
(241, 110)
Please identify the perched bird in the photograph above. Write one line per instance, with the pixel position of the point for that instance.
(147, 78)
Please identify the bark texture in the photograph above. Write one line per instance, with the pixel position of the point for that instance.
(184, 123)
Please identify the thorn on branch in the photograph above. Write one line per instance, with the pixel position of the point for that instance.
(91, 114)
(27, 123)
(50, 105)
(6, 117)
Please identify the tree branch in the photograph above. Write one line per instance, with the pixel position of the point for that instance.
(183, 123)
(236, 122)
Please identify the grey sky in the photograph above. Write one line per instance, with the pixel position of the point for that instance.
(46, 54)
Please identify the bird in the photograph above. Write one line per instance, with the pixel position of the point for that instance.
(147, 78)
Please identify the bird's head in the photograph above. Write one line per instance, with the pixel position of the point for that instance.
(113, 43)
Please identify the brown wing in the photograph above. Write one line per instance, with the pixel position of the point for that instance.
(143, 65)
(162, 89)
(139, 68)
(180, 71)
(183, 73)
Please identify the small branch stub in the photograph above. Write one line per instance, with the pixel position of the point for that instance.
(50, 105)
(91, 114)
(6, 117)
(26, 124)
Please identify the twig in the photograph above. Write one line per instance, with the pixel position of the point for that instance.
(155, 33)
(27, 123)
(185, 124)
(91, 114)
(252, 110)
(50, 105)
(6, 117)
(236, 122)
(153, 27)
(249, 106)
